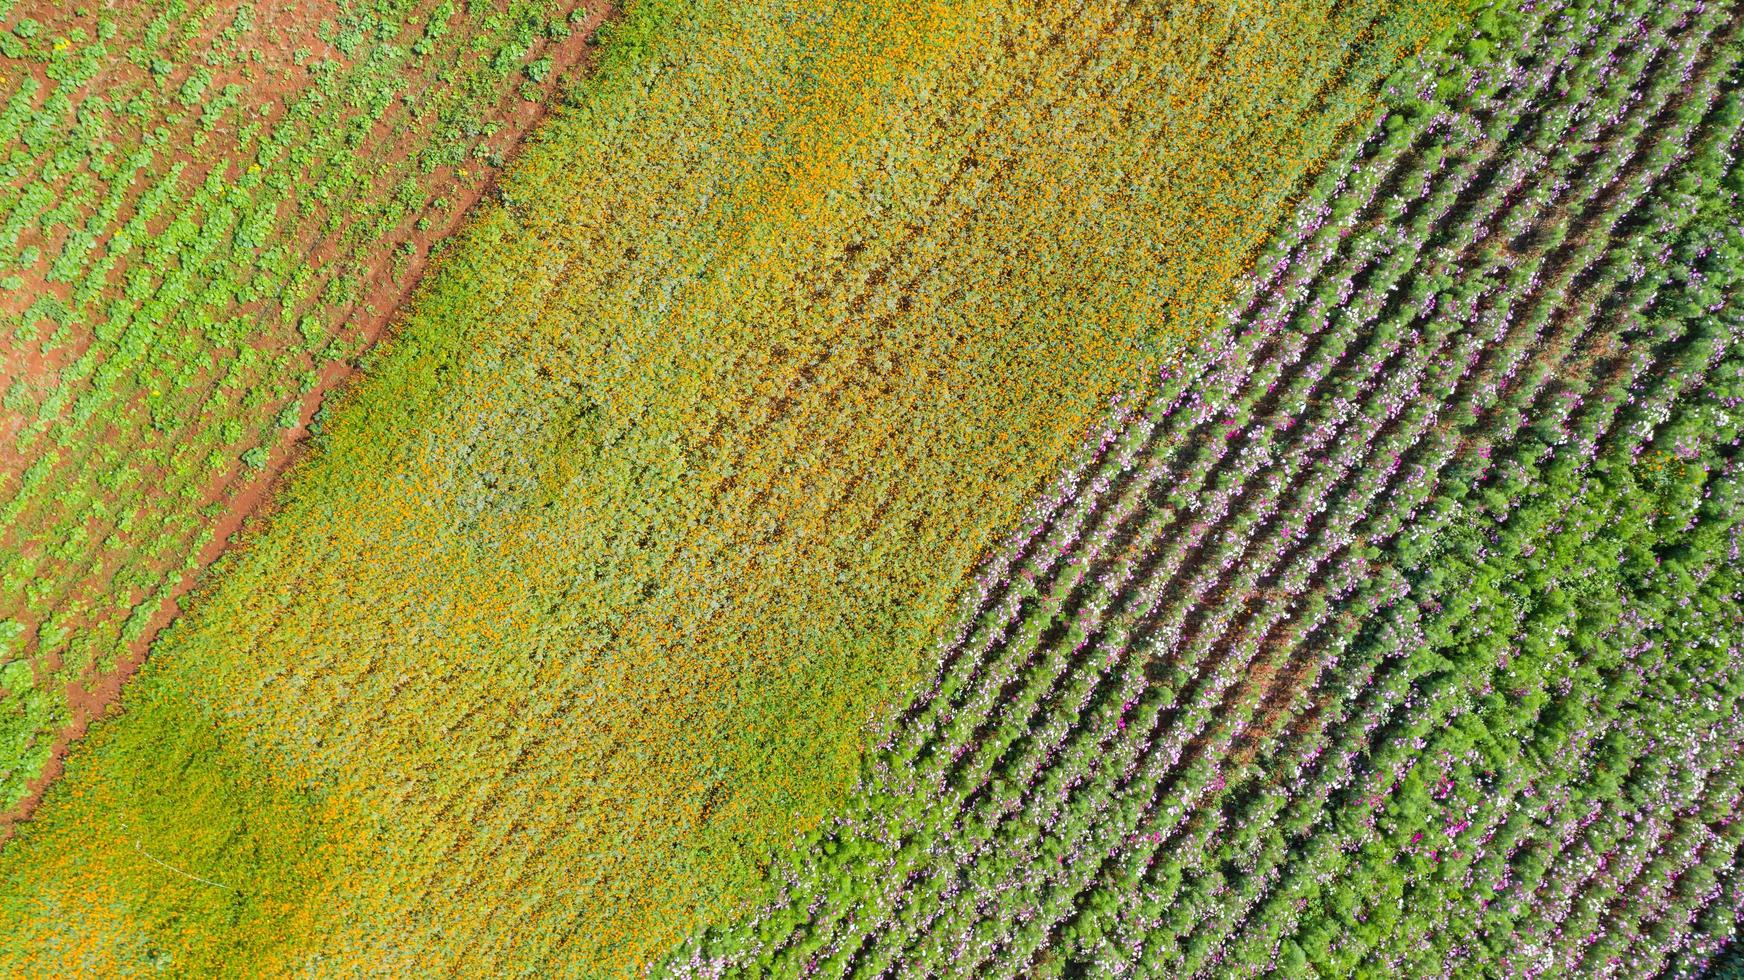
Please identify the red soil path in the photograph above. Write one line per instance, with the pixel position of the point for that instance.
(370, 322)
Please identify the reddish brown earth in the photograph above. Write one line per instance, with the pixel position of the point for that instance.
(247, 503)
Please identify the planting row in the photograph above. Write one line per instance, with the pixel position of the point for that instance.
(204, 217)
(674, 470)
(1399, 636)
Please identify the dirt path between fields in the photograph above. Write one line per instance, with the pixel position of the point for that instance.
(372, 319)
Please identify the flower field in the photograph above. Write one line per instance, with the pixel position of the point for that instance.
(673, 471)
(1399, 636)
(1147, 488)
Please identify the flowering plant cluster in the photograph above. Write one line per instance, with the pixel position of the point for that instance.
(1401, 633)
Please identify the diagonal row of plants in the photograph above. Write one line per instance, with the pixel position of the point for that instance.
(769, 429)
(673, 472)
(1188, 723)
(192, 241)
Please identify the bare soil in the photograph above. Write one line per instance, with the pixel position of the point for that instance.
(249, 502)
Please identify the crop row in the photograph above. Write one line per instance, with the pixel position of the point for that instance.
(1191, 720)
(199, 214)
(675, 468)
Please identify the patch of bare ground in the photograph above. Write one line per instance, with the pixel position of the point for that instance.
(270, 79)
(248, 499)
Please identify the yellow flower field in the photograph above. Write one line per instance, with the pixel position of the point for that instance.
(677, 464)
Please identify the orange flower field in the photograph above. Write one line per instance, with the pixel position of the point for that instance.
(677, 463)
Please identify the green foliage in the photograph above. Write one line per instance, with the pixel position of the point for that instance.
(172, 306)
(675, 467)
(1451, 684)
